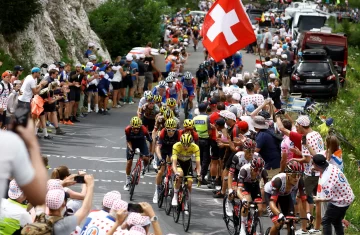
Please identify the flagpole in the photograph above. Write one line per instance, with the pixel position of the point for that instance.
(265, 74)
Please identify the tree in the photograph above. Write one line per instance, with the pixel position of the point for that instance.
(16, 15)
(127, 24)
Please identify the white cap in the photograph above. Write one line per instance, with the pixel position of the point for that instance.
(173, 58)
(258, 66)
(274, 48)
(162, 51)
(89, 64)
(129, 58)
(272, 75)
(284, 56)
(52, 66)
(268, 63)
(234, 80)
(92, 57)
(280, 49)
(278, 52)
(101, 73)
(272, 53)
(246, 74)
(142, 56)
(91, 44)
(236, 96)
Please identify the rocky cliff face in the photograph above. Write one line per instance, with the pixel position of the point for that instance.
(61, 32)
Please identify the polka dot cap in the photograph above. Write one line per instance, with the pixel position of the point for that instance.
(54, 184)
(137, 219)
(55, 198)
(14, 190)
(303, 120)
(119, 204)
(137, 230)
(110, 197)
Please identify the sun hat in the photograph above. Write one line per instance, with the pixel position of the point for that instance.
(110, 198)
(320, 161)
(137, 219)
(137, 230)
(303, 120)
(55, 198)
(259, 122)
(14, 190)
(35, 70)
(54, 184)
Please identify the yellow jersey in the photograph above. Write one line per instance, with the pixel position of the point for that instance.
(181, 154)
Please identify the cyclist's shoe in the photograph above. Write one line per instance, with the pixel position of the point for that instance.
(48, 137)
(59, 132)
(186, 208)
(242, 229)
(127, 187)
(315, 232)
(228, 208)
(301, 232)
(38, 136)
(218, 195)
(156, 196)
(68, 123)
(204, 181)
(142, 173)
(174, 201)
(211, 185)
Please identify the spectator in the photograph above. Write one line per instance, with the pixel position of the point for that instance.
(5, 91)
(251, 98)
(127, 82)
(116, 82)
(140, 82)
(267, 146)
(23, 150)
(103, 92)
(90, 50)
(334, 189)
(13, 209)
(76, 94)
(18, 70)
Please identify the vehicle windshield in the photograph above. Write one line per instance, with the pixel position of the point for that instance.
(336, 53)
(318, 67)
(311, 22)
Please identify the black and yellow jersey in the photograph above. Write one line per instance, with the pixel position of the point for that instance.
(181, 154)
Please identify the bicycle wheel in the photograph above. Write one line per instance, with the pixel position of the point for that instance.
(257, 228)
(161, 194)
(169, 196)
(134, 180)
(186, 106)
(267, 232)
(177, 209)
(231, 222)
(186, 211)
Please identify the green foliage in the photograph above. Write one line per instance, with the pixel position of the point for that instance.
(63, 44)
(127, 24)
(8, 63)
(17, 14)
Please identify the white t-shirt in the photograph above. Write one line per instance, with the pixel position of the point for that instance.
(26, 88)
(117, 75)
(13, 210)
(250, 99)
(333, 185)
(14, 161)
(267, 38)
(317, 144)
(167, 35)
(248, 119)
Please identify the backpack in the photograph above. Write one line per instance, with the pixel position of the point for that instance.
(43, 225)
(3, 88)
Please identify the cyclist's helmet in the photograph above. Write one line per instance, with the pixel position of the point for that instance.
(170, 123)
(186, 139)
(163, 109)
(188, 123)
(146, 93)
(162, 83)
(172, 74)
(207, 63)
(149, 97)
(257, 163)
(171, 102)
(293, 167)
(169, 79)
(249, 144)
(157, 98)
(188, 75)
(168, 114)
(201, 66)
(135, 122)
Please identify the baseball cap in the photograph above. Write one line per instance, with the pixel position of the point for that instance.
(73, 206)
(320, 161)
(242, 125)
(101, 73)
(55, 198)
(213, 101)
(162, 51)
(129, 58)
(236, 96)
(142, 56)
(92, 57)
(284, 56)
(110, 197)
(250, 108)
(202, 106)
(119, 204)
(35, 70)
(268, 63)
(137, 230)
(91, 44)
(54, 184)
(17, 82)
(272, 75)
(227, 114)
(14, 190)
(18, 68)
(78, 65)
(89, 64)
(329, 121)
(234, 80)
(6, 73)
(303, 120)
(220, 122)
(87, 69)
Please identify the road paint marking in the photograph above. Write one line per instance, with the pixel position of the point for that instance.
(123, 148)
(110, 141)
(116, 147)
(100, 146)
(212, 213)
(222, 231)
(72, 133)
(217, 202)
(150, 182)
(122, 136)
(109, 181)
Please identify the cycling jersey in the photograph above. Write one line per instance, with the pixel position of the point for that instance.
(166, 141)
(202, 76)
(155, 91)
(277, 187)
(188, 83)
(246, 177)
(211, 72)
(150, 113)
(172, 92)
(238, 161)
(135, 137)
(181, 154)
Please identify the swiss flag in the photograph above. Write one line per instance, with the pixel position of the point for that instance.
(226, 29)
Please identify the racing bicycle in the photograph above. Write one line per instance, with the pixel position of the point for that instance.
(290, 221)
(165, 185)
(135, 173)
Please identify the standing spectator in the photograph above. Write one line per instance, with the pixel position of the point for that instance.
(29, 88)
(127, 80)
(116, 82)
(267, 146)
(103, 91)
(147, 50)
(149, 67)
(5, 90)
(76, 94)
(140, 82)
(18, 70)
(251, 97)
(267, 41)
(13, 209)
(275, 93)
(21, 159)
(334, 189)
(90, 50)
(135, 75)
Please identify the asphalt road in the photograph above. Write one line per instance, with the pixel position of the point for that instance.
(97, 145)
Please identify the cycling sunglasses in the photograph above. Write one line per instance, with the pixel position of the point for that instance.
(170, 130)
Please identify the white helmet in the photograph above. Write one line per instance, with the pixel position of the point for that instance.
(169, 79)
(172, 74)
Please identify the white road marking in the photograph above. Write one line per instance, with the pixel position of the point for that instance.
(100, 146)
(110, 141)
(116, 147)
(212, 213)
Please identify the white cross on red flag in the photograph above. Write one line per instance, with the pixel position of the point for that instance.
(226, 29)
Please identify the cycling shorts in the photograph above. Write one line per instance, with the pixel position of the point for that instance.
(215, 150)
(149, 123)
(186, 167)
(285, 202)
(144, 149)
(253, 189)
(190, 91)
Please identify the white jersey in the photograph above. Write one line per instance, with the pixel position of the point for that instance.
(245, 174)
(239, 160)
(272, 187)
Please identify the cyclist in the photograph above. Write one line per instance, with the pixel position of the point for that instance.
(181, 163)
(278, 193)
(189, 129)
(173, 90)
(249, 187)
(158, 100)
(196, 35)
(189, 84)
(202, 77)
(209, 69)
(159, 120)
(160, 90)
(136, 136)
(148, 113)
(167, 138)
(172, 105)
(143, 101)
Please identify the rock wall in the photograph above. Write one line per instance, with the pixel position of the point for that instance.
(62, 30)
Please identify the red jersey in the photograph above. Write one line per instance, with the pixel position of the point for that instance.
(193, 133)
(213, 117)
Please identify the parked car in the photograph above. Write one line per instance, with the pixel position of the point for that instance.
(315, 75)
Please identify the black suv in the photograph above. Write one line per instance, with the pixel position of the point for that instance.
(315, 75)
